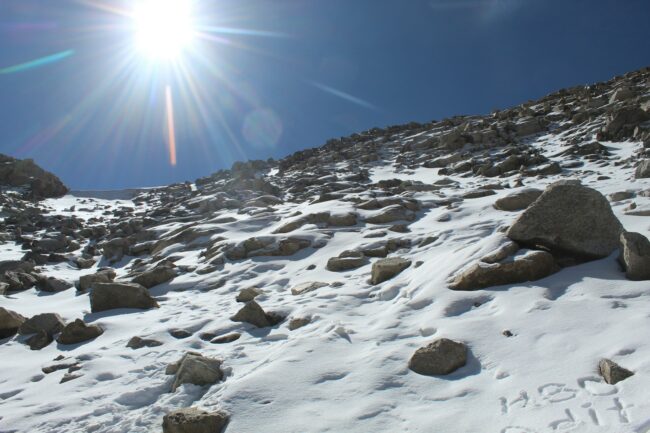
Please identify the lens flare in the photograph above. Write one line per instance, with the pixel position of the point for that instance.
(170, 126)
(33, 64)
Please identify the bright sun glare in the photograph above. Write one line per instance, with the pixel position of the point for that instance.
(163, 28)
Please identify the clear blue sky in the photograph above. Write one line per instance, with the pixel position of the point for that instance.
(266, 78)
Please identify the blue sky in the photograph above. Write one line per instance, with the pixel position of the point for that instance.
(266, 78)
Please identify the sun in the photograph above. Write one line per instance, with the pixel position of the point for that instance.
(163, 28)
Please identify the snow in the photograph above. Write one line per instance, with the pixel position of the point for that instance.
(347, 371)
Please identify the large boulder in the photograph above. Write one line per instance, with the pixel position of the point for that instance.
(518, 200)
(385, 269)
(53, 284)
(195, 369)
(569, 219)
(193, 420)
(531, 266)
(105, 275)
(41, 184)
(441, 357)
(635, 255)
(78, 332)
(10, 321)
(49, 323)
(107, 296)
(345, 262)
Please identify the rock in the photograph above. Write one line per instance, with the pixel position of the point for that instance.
(10, 321)
(155, 276)
(621, 195)
(643, 169)
(307, 287)
(42, 184)
(78, 331)
(105, 275)
(518, 200)
(138, 343)
(299, 322)
(115, 249)
(70, 376)
(228, 338)
(391, 214)
(248, 294)
(107, 296)
(254, 314)
(180, 333)
(53, 285)
(571, 220)
(338, 264)
(612, 372)
(49, 323)
(440, 357)
(621, 94)
(195, 369)
(532, 266)
(192, 420)
(635, 256)
(385, 269)
(478, 193)
(39, 340)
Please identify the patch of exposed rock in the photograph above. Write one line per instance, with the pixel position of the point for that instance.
(108, 296)
(385, 269)
(196, 369)
(78, 332)
(193, 420)
(635, 255)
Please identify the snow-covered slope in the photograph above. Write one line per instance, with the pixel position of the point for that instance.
(347, 369)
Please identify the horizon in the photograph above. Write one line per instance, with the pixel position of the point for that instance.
(263, 81)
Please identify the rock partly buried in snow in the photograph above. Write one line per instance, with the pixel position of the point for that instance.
(78, 332)
(139, 343)
(345, 262)
(612, 372)
(391, 214)
(248, 294)
(158, 275)
(533, 265)
(643, 170)
(196, 369)
(53, 285)
(518, 200)
(307, 287)
(193, 420)
(107, 296)
(298, 322)
(635, 256)
(49, 323)
(440, 357)
(39, 340)
(10, 321)
(385, 269)
(254, 314)
(106, 275)
(570, 220)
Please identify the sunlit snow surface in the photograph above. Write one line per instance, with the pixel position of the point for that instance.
(347, 370)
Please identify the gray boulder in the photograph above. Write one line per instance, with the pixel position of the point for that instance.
(195, 369)
(193, 420)
(10, 321)
(105, 275)
(138, 343)
(612, 372)
(107, 296)
(50, 323)
(158, 275)
(345, 263)
(53, 285)
(78, 331)
(635, 256)
(385, 269)
(643, 170)
(518, 200)
(391, 214)
(440, 357)
(254, 314)
(570, 220)
(307, 287)
(248, 294)
(529, 267)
